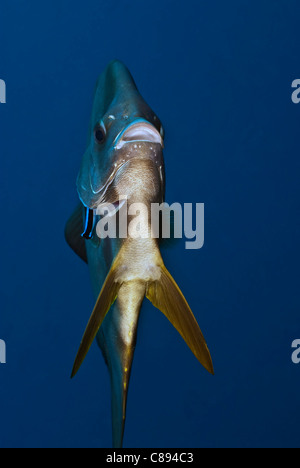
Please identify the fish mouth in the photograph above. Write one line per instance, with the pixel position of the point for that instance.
(138, 131)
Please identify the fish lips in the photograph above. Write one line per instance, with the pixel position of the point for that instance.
(139, 131)
(139, 140)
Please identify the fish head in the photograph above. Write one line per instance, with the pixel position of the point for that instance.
(123, 129)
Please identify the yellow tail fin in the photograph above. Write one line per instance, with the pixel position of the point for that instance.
(167, 297)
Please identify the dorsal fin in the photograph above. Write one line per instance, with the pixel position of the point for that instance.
(73, 233)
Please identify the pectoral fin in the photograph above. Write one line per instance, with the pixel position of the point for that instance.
(167, 297)
(73, 233)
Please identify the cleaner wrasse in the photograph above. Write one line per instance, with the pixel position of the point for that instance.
(124, 160)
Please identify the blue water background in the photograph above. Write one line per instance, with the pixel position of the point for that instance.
(219, 76)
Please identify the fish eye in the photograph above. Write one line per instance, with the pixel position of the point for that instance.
(100, 134)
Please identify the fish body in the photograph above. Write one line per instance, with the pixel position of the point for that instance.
(123, 165)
